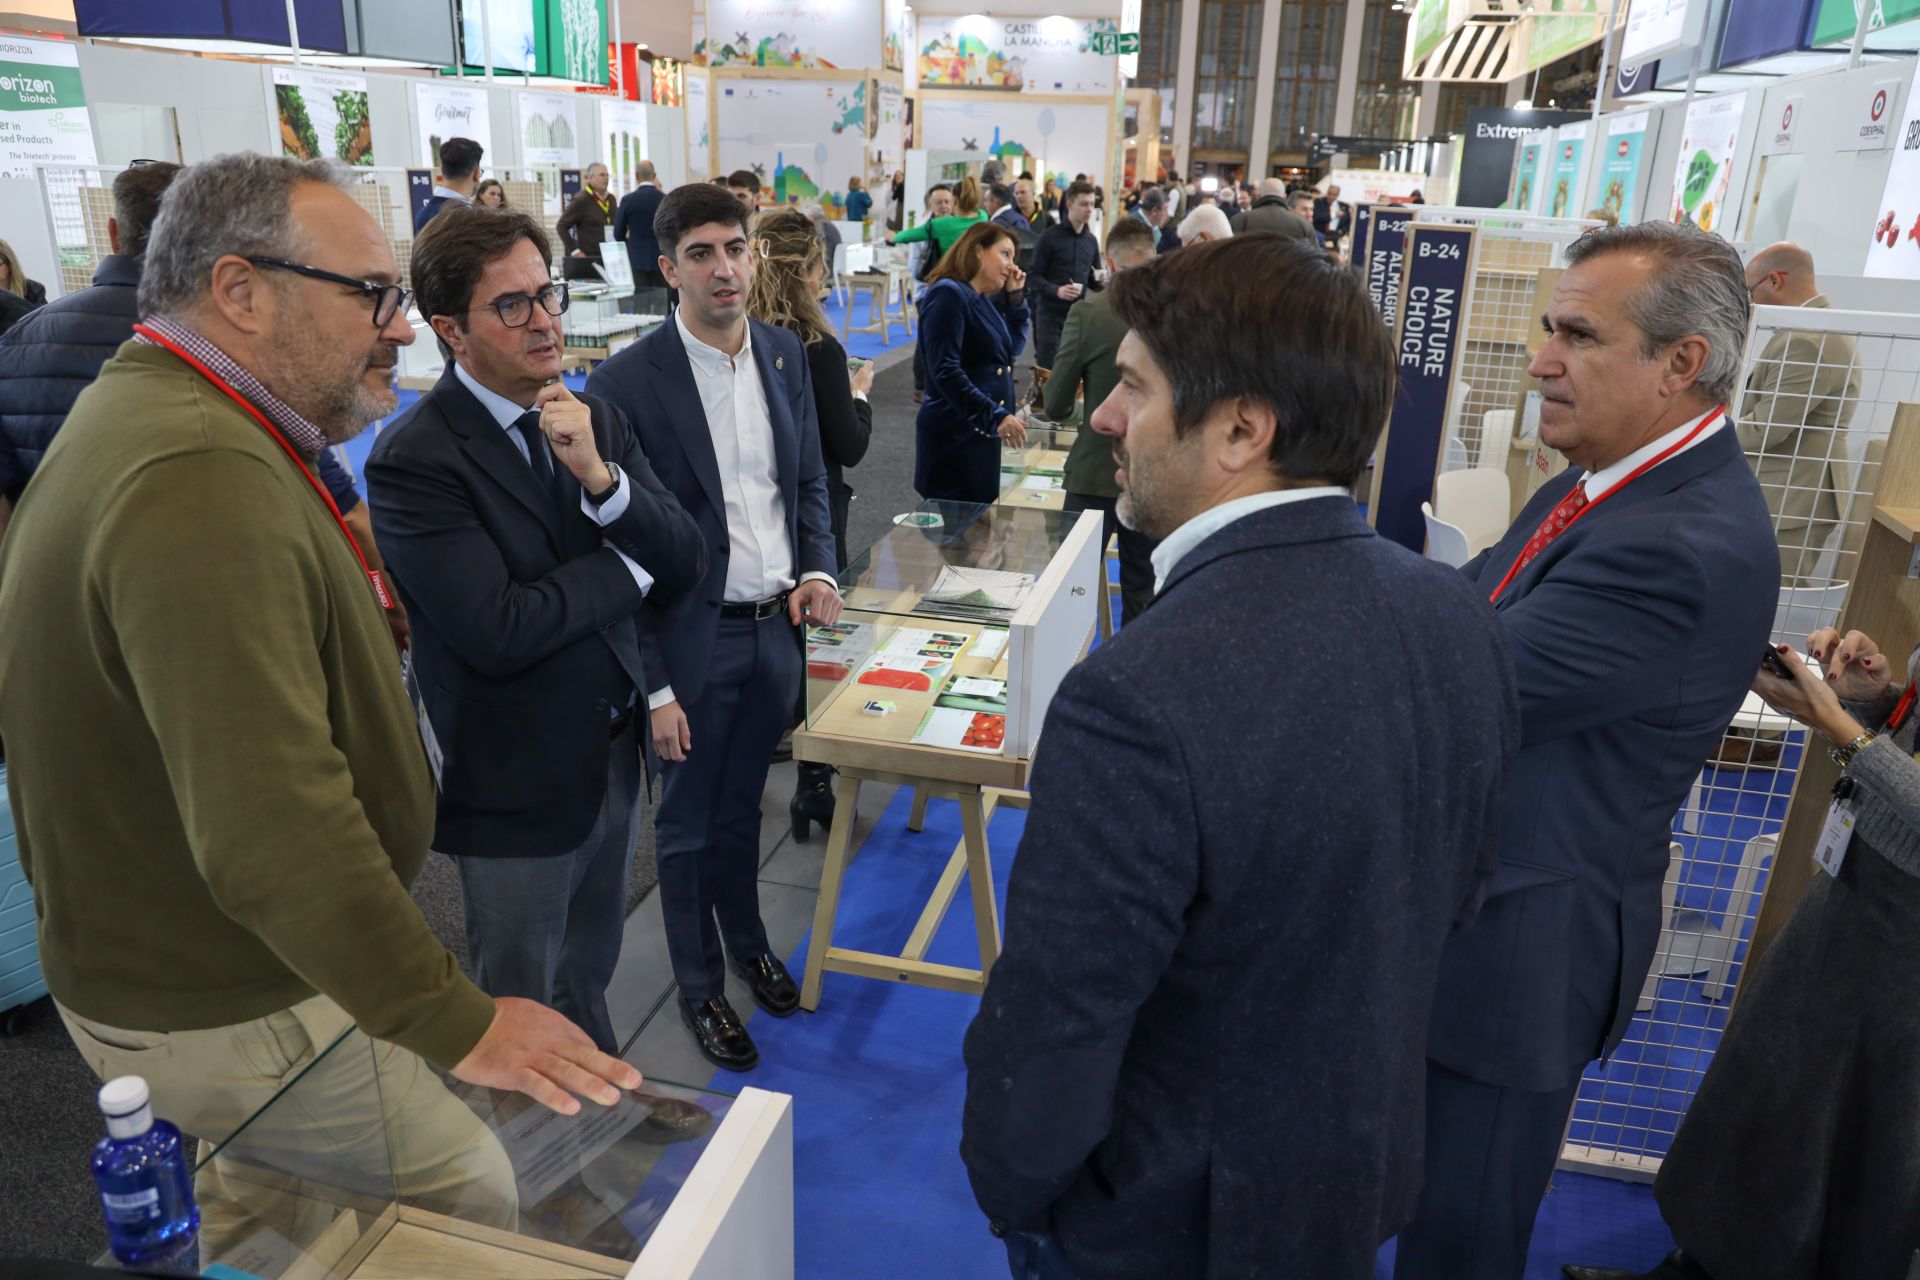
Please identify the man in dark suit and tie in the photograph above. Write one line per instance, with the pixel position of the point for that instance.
(524, 529)
(1635, 593)
(724, 408)
(459, 175)
(1332, 217)
(633, 225)
(1201, 1052)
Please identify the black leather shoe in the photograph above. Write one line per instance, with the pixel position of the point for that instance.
(812, 800)
(1675, 1266)
(716, 1029)
(767, 978)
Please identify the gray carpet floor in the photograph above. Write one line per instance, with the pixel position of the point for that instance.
(48, 1121)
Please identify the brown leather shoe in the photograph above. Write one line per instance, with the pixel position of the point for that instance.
(670, 1119)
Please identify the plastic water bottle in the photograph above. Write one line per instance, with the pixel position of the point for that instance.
(146, 1187)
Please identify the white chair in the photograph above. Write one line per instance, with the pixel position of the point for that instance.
(1690, 943)
(1496, 438)
(1804, 610)
(1475, 500)
(839, 274)
(1445, 543)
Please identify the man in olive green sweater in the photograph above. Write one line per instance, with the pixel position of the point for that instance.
(1088, 345)
(217, 777)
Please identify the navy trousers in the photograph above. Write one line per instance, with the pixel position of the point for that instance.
(708, 825)
(549, 929)
(1490, 1152)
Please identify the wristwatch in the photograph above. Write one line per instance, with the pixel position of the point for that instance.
(601, 499)
(1843, 756)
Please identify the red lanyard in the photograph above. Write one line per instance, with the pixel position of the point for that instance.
(373, 574)
(1631, 476)
(1901, 709)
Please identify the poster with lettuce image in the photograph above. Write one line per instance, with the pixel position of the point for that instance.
(323, 116)
(1703, 173)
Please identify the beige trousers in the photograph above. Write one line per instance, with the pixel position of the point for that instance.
(356, 1129)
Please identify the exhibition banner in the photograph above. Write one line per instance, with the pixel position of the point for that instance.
(549, 128)
(1386, 248)
(699, 144)
(1777, 138)
(323, 115)
(1487, 176)
(1760, 29)
(1569, 149)
(1873, 112)
(322, 22)
(43, 112)
(1428, 336)
(890, 128)
(1620, 166)
(565, 39)
(1362, 233)
(813, 34)
(419, 191)
(506, 37)
(1657, 27)
(1035, 55)
(1894, 253)
(1548, 37)
(804, 138)
(1832, 21)
(669, 82)
(1529, 171)
(897, 34)
(623, 142)
(1703, 174)
(1055, 140)
(1377, 186)
(451, 111)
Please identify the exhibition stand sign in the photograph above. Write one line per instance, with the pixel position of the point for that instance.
(1620, 167)
(1776, 139)
(419, 191)
(1529, 172)
(1703, 174)
(322, 115)
(1386, 250)
(43, 112)
(804, 138)
(1658, 27)
(790, 35)
(1873, 112)
(1066, 138)
(1487, 175)
(623, 141)
(451, 111)
(1569, 150)
(1895, 251)
(1428, 337)
(1758, 29)
(1033, 55)
(699, 127)
(1362, 233)
(549, 129)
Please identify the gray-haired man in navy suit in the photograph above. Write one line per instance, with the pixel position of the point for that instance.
(1259, 813)
(723, 406)
(1635, 594)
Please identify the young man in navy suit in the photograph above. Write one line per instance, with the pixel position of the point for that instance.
(459, 176)
(1635, 593)
(724, 409)
(1202, 1050)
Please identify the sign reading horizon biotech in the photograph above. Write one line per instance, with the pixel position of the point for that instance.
(1656, 27)
(451, 111)
(43, 112)
(1872, 129)
(1427, 342)
(1895, 251)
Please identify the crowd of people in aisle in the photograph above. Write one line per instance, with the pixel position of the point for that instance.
(1268, 998)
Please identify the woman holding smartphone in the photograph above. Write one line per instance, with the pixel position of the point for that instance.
(973, 323)
(790, 267)
(1797, 1159)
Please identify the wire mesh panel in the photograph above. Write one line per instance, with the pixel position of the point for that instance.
(1817, 401)
(78, 200)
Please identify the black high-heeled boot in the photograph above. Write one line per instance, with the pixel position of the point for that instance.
(812, 800)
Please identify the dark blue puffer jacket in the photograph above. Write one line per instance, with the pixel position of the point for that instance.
(55, 353)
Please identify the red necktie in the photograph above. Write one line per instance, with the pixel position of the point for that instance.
(1554, 524)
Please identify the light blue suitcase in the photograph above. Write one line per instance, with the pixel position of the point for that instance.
(20, 980)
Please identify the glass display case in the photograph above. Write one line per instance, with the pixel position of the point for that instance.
(1034, 474)
(603, 319)
(959, 625)
(371, 1165)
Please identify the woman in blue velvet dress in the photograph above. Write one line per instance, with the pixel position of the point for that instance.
(973, 323)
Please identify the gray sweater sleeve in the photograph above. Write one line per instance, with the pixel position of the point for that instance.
(1887, 801)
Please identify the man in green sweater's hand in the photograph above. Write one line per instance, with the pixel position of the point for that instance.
(536, 1051)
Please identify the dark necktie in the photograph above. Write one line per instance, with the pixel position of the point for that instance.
(540, 456)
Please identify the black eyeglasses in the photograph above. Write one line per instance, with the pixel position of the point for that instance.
(388, 299)
(515, 309)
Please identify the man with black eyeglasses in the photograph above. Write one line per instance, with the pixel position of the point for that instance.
(524, 528)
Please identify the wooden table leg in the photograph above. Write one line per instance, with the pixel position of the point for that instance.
(986, 915)
(917, 820)
(839, 853)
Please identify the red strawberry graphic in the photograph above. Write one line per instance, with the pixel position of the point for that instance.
(1884, 232)
(1913, 233)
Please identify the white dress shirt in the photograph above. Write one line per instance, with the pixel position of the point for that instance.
(760, 560)
(1175, 547)
(1602, 482)
(506, 413)
(451, 194)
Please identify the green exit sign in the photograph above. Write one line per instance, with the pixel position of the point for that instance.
(1116, 42)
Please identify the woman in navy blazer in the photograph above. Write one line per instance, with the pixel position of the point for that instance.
(973, 323)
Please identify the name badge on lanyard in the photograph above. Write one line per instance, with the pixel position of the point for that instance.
(428, 741)
(1837, 832)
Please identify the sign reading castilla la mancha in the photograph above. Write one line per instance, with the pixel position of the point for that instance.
(43, 112)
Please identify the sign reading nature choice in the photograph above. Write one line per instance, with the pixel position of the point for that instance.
(1427, 342)
(1895, 251)
(43, 113)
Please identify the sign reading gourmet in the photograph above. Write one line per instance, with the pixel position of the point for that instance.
(452, 111)
(1427, 343)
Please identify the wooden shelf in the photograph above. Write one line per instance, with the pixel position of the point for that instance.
(1904, 522)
